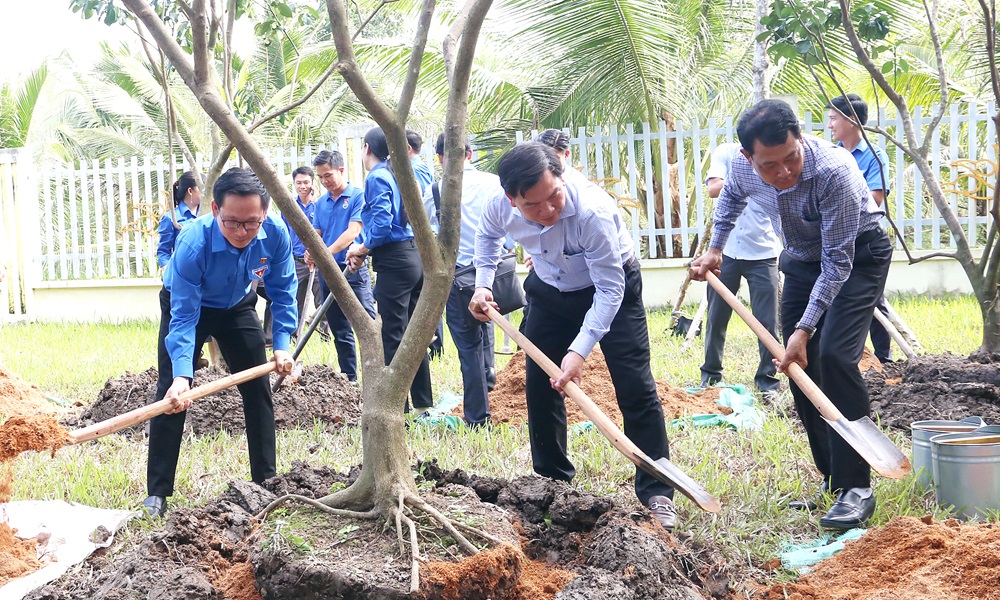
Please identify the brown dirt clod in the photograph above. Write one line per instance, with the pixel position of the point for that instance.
(17, 557)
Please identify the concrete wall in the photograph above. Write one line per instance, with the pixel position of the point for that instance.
(119, 300)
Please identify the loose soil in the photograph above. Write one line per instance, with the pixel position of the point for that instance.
(561, 540)
(17, 557)
(508, 403)
(18, 397)
(941, 386)
(907, 558)
(320, 394)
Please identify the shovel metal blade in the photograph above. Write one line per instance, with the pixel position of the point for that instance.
(873, 445)
(667, 472)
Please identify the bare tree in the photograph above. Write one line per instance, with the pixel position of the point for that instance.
(385, 488)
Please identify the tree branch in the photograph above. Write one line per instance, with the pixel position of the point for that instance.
(369, 19)
(953, 255)
(199, 41)
(451, 40)
(942, 76)
(416, 59)
(990, 18)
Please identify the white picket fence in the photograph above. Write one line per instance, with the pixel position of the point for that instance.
(98, 219)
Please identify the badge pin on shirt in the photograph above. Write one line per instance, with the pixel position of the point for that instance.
(345, 203)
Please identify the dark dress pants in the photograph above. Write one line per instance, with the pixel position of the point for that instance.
(471, 338)
(241, 340)
(340, 327)
(302, 275)
(835, 350)
(554, 321)
(881, 342)
(397, 289)
(762, 277)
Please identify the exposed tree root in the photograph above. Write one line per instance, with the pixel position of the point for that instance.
(452, 526)
(370, 515)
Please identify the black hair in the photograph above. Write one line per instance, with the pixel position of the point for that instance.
(377, 144)
(524, 166)
(185, 182)
(768, 122)
(239, 182)
(439, 145)
(330, 158)
(845, 103)
(555, 138)
(414, 140)
(303, 171)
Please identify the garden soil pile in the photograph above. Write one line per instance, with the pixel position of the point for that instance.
(508, 404)
(18, 397)
(908, 558)
(319, 394)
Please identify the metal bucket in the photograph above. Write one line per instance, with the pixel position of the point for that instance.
(966, 469)
(921, 433)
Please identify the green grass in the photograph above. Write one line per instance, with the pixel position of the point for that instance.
(753, 473)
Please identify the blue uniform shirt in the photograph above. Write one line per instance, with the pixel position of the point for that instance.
(381, 216)
(422, 172)
(208, 271)
(865, 157)
(168, 233)
(333, 215)
(299, 248)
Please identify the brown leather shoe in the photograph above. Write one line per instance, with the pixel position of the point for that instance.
(664, 511)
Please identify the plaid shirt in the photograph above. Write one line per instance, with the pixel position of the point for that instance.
(820, 216)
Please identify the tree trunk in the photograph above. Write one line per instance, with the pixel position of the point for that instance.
(761, 80)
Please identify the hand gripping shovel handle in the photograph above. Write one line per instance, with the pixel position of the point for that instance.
(863, 435)
(162, 406)
(318, 317)
(662, 469)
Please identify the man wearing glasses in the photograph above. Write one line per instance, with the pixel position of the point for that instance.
(207, 292)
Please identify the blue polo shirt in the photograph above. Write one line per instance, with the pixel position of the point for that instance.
(299, 248)
(168, 233)
(381, 216)
(206, 270)
(422, 172)
(864, 155)
(333, 215)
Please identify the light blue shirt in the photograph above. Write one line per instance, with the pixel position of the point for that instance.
(586, 247)
(478, 188)
(207, 271)
(753, 236)
(865, 157)
(333, 215)
(168, 233)
(422, 172)
(382, 216)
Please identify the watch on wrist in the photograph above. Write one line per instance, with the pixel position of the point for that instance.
(809, 329)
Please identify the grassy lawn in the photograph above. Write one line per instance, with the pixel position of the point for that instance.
(753, 473)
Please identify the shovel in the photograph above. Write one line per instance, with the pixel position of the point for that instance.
(662, 469)
(894, 334)
(317, 319)
(862, 434)
(160, 407)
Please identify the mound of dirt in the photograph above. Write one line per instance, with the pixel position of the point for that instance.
(320, 394)
(941, 386)
(564, 542)
(907, 558)
(17, 557)
(18, 397)
(509, 405)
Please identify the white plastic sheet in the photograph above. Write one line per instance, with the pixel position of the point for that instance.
(70, 528)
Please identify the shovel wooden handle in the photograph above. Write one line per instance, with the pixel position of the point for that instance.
(894, 334)
(160, 407)
(605, 425)
(794, 371)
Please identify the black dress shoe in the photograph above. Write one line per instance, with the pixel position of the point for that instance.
(155, 506)
(852, 509)
(664, 511)
(810, 504)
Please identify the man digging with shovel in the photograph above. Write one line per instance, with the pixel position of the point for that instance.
(835, 262)
(206, 291)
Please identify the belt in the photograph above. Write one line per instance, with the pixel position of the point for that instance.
(410, 243)
(628, 263)
(299, 258)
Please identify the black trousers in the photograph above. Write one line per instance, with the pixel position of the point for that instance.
(881, 340)
(397, 289)
(474, 341)
(343, 334)
(241, 340)
(834, 351)
(554, 321)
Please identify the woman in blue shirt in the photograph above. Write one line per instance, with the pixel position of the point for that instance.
(387, 235)
(187, 199)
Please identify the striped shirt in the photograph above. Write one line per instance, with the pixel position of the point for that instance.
(585, 248)
(820, 216)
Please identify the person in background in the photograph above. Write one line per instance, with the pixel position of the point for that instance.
(847, 133)
(302, 179)
(337, 218)
(425, 178)
(586, 288)
(388, 237)
(186, 198)
(473, 339)
(751, 253)
(206, 291)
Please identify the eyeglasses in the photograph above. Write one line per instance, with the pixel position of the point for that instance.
(234, 224)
